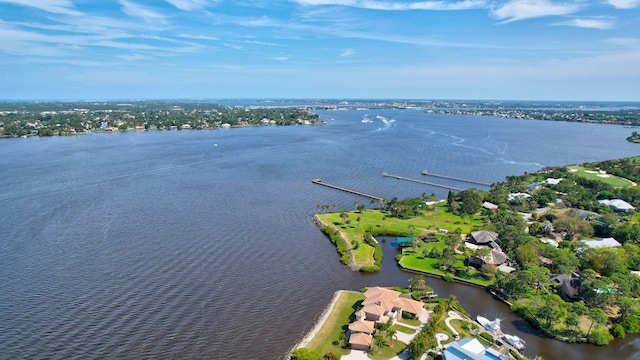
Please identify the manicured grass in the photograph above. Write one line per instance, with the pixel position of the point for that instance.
(460, 325)
(416, 261)
(387, 352)
(403, 329)
(336, 324)
(610, 179)
(364, 254)
(412, 322)
(429, 222)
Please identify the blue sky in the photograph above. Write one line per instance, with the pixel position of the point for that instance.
(468, 49)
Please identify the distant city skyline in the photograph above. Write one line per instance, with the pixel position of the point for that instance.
(184, 49)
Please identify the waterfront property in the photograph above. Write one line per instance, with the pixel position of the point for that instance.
(382, 304)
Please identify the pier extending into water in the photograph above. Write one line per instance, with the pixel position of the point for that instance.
(320, 182)
(422, 182)
(426, 173)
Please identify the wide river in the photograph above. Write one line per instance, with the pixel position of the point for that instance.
(200, 244)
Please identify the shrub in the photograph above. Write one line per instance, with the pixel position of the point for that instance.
(369, 269)
(600, 337)
(336, 239)
(330, 356)
(487, 337)
(304, 354)
(447, 277)
(618, 331)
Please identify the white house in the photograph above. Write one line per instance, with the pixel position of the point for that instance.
(601, 243)
(618, 204)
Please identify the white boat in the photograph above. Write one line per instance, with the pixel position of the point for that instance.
(492, 327)
(482, 320)
(514, 341)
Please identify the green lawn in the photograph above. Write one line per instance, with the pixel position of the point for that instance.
(461, 325)
(412, 322)
(416, 261)
(336, 324)
(387, 352)
(592, 174)
(428, 223)
(403, 329)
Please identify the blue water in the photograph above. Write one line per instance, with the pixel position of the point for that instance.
(162, 245)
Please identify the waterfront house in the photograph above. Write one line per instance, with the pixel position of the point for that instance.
(379, 305)
(496, 257)
(568, 286)
(362, 326)
(360, 341)
(382, 304)
(361, 334)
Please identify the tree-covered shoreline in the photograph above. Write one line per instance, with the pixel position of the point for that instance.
(72, 118)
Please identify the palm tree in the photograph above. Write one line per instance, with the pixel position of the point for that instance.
(450, 301)
(391, 333)
(379, 341)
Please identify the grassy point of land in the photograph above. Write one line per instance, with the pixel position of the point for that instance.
(355, 226)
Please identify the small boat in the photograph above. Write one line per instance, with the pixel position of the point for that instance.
(514, 341)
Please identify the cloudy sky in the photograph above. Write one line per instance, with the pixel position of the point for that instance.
(467, 49)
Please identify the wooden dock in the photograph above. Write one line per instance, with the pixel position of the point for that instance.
(422, 182)
(426, 173)
(320, 182)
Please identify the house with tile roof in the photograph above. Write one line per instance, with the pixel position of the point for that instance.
(360, 341)
(382, 304)
(379, 306)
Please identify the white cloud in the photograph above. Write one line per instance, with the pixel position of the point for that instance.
(515, 10)
(391, 5)
(53, 6)
(626, 42)
(189, 5)
(590, 23)
(624, 4)
(348, 52)
(280, 58)
(141, 11)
